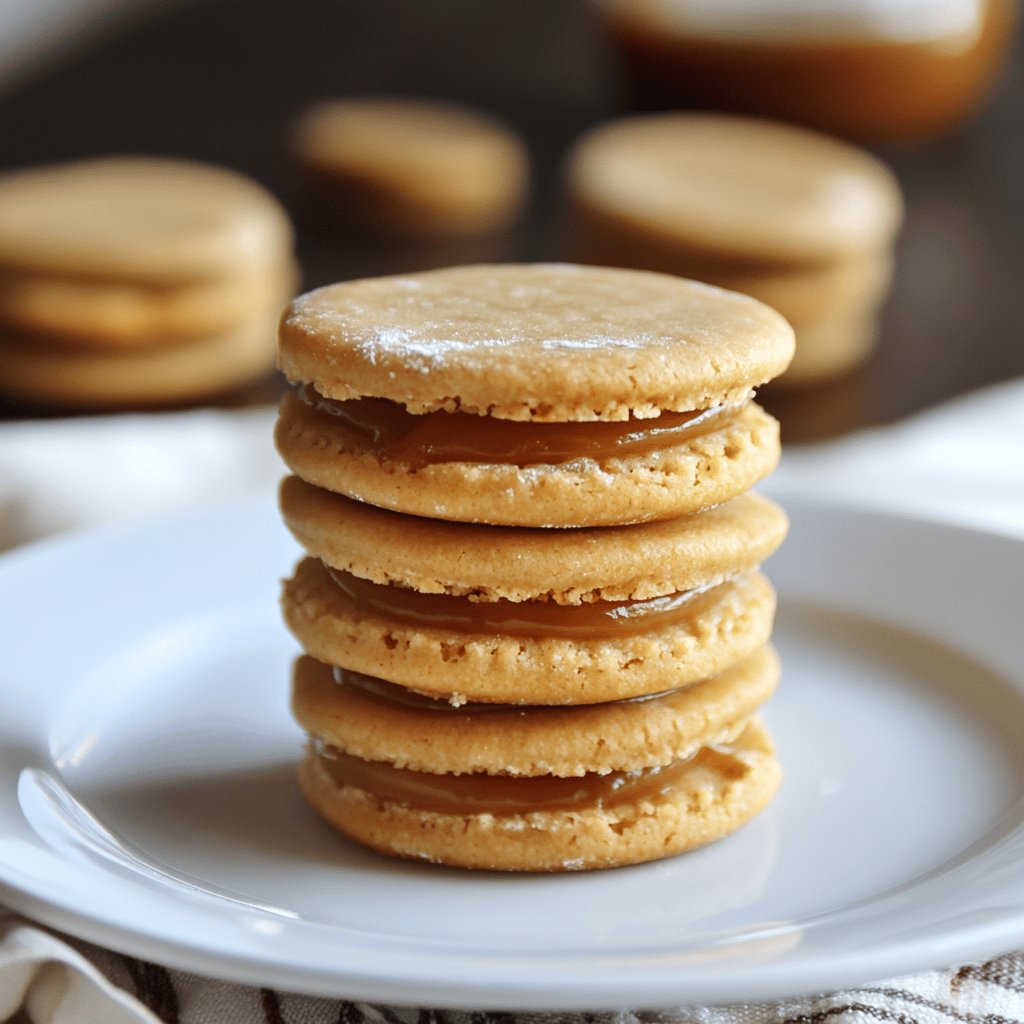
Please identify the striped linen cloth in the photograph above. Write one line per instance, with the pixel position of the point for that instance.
(63, 981)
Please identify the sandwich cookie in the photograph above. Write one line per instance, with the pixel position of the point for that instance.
(529, 616)
(532, 652)
(536, 789)
(530, 395)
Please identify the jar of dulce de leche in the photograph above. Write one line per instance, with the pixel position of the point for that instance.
(866, 69)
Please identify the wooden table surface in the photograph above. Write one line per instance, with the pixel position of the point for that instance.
(222, 80)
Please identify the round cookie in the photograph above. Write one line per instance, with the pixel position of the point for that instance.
(632, 818)
(412, 167)
(536, 342)
(139, 219)
(526, 653)
(107, 314)
(44, 376)
(490, 563)
(477, 346)
(376, 721)
(741, 188)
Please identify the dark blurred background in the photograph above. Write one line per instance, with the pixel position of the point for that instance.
(223, 81)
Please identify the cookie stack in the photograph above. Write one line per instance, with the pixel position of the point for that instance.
(803, 222)
(135, 282)
(536, 636)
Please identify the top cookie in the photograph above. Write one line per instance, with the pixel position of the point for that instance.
(542, 342)
(139, 219)
(739, 187)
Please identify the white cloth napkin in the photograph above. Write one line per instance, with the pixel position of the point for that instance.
(51, 982)
(962, 462)
(61, 474)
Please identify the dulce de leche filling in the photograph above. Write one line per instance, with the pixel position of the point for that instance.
(397, 435)
(509, 795)
(533, 619)
(400, 696)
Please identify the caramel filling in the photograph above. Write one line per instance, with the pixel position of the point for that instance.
(533, 619)
(391, 693)
(509, 795)
(397, 435)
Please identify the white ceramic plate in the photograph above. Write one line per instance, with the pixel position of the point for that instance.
(147, 799)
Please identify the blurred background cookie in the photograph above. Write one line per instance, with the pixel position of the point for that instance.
(411, 167)
(134, 281)
(798, 220)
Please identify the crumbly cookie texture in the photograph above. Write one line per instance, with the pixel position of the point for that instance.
(491, 340)
(490, 563)
(614, 736)
(701, 472)
(729, 624)
(717, 794)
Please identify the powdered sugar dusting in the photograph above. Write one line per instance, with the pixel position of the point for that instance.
(636, 341)
(551, 308)
(427, 345)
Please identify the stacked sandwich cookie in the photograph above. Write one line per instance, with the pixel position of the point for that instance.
(128, 282)
(536, 635)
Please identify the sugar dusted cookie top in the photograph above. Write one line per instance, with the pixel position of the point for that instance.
(742, 187)
(139, 219)
(544, 342)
